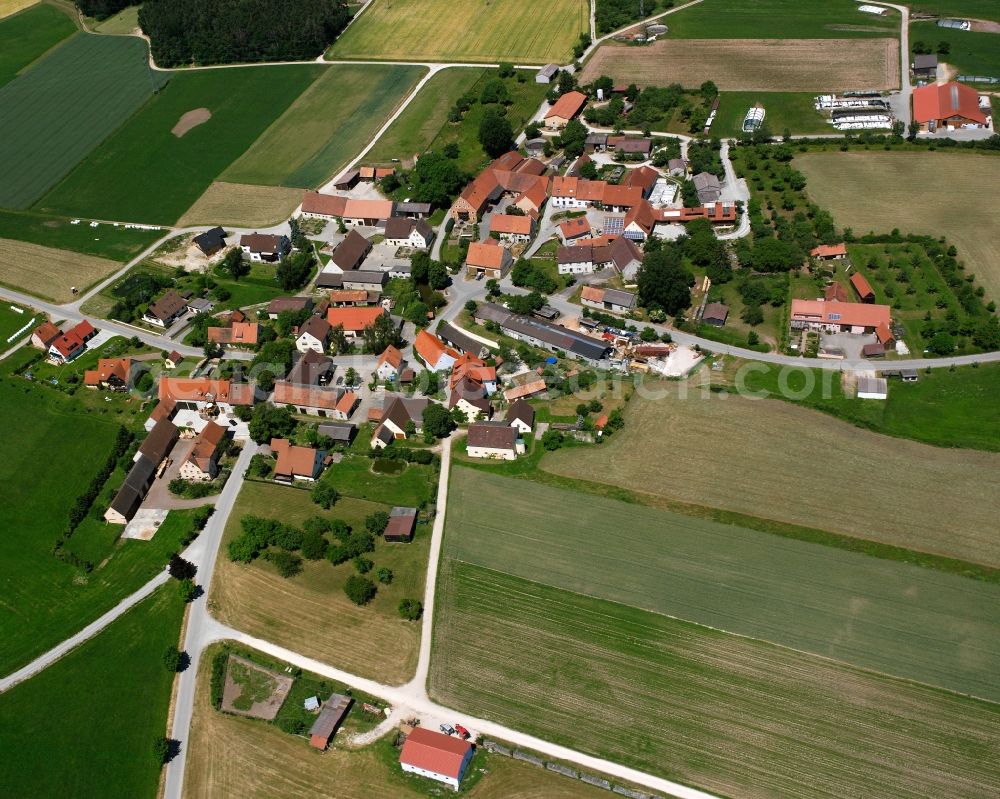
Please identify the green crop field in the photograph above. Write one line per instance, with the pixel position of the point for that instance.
(438, 30)
(46, 600)
(147, 173)
(750, 456)
(326, 127)
(778, 19)
(792, 110)
(99, 708)
(874, 191)
(105, 241)
(28, 35)
(732, 715)
(882, 615)
(970, 53)
(63, 107)
(424, 118)
(976, 9)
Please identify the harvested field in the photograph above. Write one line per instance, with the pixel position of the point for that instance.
(792, 65)
(191, 119)
(231, 756)
(49, 273)
(882, 615)
(732, 715)
(310, 613)
(241, 205)
(758, 457)
(8, 7)
(438, 30)
(874, 191)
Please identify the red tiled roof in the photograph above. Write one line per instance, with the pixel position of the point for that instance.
(945, 101)
(836, 291)
(106, 369)
(286, 393)
(204, 389)
(390, 355)
(510, 223)
(237, 333)
(347, 402)
(487, 254)
(574, 227)
(861, 285)
(353, 319)
(626, 196)
(46, 333)
(325, 204)
(855, 314)
(567, 106)
(884, 334)
(829, 251)
(430, 348)
(433, 751)
(293, 460)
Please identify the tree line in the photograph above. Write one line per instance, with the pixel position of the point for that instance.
(226, 31)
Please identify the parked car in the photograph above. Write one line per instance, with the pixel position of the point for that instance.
(447, 729)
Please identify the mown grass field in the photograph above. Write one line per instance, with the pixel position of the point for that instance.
(792, 110)
(44, 599)
(241, 205)
(779, 19)
(145, 173)
(438, 30)
(976, 9)
(425, 116)
(971, 52)
(233, 756)
(325, 127)
(878, 614)
(310, 613)
(732, 715)
(49, 273)
(58, 111)
(762, 458)
(796, 65)
(874, 191)
(124, 22)
(11, 321)
(28, 35)
(104, 241)
(110, 696)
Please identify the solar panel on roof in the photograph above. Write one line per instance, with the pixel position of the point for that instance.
(614, 225)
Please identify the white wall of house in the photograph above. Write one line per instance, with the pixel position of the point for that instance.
(569, 202)
(493, 453)
(433, 775)
(521, 426)
(579, 268)
(386, 371)
(190, 471)
(307, 342)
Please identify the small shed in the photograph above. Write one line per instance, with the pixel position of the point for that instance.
(402, 522)
(311, 703)
(547, 73)
(876, 388)
(329, 719)
(715, 314)
(874, 350)
(925, 65)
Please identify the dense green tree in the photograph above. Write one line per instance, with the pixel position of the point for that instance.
(376, 523)
(172, 659)
(295, 270)
(664, 282)
(552, 440)
(411, 609)
(572, 138)
(287, 564)
(270, 421)
(775, 255)
(324, 494)
(436, 421)
(360, 590)
(234, 265)
(494, 91)
(495, 133)
(380, 334)
(436, 179)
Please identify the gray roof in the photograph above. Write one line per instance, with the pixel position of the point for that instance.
(459, 338)
(600, 139)
(549, 70)
(716, 310)
(677, 163)
(365, 276)
(625, 299)
(491, 312)
(211, 240)
(413, 208)
(137, 482)
(338, 432)
(168, 306)
(160, 441)
(330, 716)
(925, 61)
(706, 180)
(309, 368)
(557, 337)
(521, 411)
(279, 304)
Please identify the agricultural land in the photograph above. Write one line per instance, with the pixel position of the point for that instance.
(310, 613)
(63, 107)
(797, 65)
(241, 205)
(704, 707)
(969, 52)
(49, 273)
(235, 756)
(134, 174)
(325, 127)
(435, 30)
(768, 434)
(778, 19)
(114, 242)
(976, 9)
(111, 695)
(875, 191)
(28, 35)
(886, 616)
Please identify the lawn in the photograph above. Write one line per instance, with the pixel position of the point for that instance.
(115, 242)
(881, 615)
(145, 172)
(778, 19)
(976, 9)
(874, 191)
(28, 35)
(13, 319)
(729, 714)
(240, 205)
(310, 613)
(57, 112)
(792, 110)
(125, 21)
(326, 127)
(234, 756)
(437, 30)
(971, 53)
(714, 435)
(111, 697)
(426, 115)
(797, 65)
(46, 600)
(49, 273)
(354, 477)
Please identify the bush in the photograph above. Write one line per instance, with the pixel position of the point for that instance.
(172, 659)
(363, 565)
(287, 564)
(181, 569)
(411, 609)
(383, 575)
(314, 546)
(161, 749)
(291, 725)
(187, 590)
(377, 522)
(552, 440)
(360, 590)
(218, 682)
